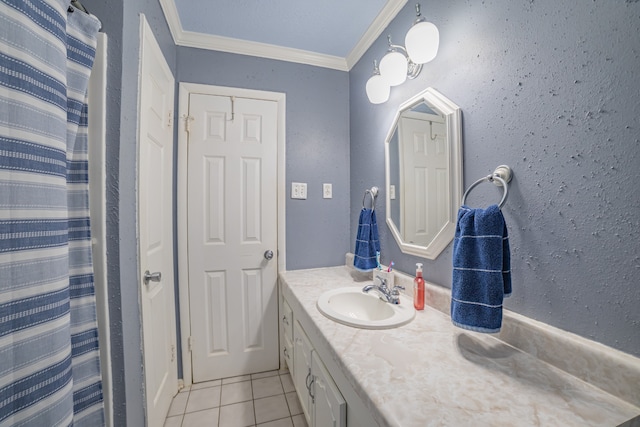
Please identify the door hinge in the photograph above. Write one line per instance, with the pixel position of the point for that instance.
(187, 122)
(170, 119)
(190, 343)
(173, 352)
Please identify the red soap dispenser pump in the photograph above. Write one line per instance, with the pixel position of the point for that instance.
(418, 289)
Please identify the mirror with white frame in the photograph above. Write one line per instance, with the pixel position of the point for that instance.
(423, 163)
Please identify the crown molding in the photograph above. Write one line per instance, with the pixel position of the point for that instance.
(269, 51)
(261, 50)
(389, 11)
(173, 19)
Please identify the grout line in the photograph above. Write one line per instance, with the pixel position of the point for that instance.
(219, 407)
(286, 400)
(253, 403)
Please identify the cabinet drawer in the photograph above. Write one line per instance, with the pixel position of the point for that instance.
(287, 321)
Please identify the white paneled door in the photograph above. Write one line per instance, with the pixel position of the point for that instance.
(155, 219)
(425, 170)
(232, 235)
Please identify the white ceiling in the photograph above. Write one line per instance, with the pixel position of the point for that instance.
(325, 33)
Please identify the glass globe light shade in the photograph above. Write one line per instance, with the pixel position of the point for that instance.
(422, 42)
(378, 89)
(393, 67)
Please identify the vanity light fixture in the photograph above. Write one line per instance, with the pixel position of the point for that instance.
(400, 63)
(396, 65)
(377, 87)
(422, 39)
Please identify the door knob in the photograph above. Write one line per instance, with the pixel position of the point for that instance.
(268, 254)
(152, 277)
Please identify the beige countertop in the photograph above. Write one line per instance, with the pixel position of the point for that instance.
(430, 373)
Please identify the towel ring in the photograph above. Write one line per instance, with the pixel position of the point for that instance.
(501, 177)
(374, 195)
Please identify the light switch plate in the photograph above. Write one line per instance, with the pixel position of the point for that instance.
(298, 190)
(327, 191)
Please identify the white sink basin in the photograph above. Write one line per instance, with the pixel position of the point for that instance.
(350, 306)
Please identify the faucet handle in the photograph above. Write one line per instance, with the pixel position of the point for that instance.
(383, 281)
(395, 292)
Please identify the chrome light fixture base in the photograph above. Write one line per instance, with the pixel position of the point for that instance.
(413, 69)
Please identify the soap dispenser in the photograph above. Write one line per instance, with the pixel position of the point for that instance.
(418, 288)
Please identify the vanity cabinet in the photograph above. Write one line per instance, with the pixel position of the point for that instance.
(320, 398)
(326, 396)
(321, 401)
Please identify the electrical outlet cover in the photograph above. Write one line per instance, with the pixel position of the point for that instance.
(327, 192)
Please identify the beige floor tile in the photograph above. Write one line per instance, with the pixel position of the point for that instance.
(265, 387)
(236, 392)
(263, 375)
(206, 398)
(206, 418)
(271, 408)
(206, 384)
(173, 421)
(232, 380)
(229, 403)
(299, 421)
(178, 405)
(284, 422)
(294, 404)
(237, 415)
(287, 383)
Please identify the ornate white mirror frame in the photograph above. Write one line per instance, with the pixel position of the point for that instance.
(453, 125)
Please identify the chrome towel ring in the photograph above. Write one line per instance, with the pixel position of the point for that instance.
(501, 177)
(374, 195)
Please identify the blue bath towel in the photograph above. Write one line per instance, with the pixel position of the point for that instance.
(481, 269)
(367, 243)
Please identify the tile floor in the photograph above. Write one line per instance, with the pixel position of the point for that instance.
(267, 399)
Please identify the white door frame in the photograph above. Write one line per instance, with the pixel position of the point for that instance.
(98, 210)
(183, 257)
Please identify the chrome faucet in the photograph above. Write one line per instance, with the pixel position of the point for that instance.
(392, 296)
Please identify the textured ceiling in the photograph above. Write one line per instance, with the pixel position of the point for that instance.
(334, 29)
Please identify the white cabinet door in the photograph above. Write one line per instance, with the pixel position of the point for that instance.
(330, 408)
(302, 368)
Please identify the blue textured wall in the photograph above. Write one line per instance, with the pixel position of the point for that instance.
(317, 143)
(551, 89)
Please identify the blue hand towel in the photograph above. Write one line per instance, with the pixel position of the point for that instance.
(481, 269)
(367, 243)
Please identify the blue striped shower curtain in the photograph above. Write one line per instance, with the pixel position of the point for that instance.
(49, 361)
